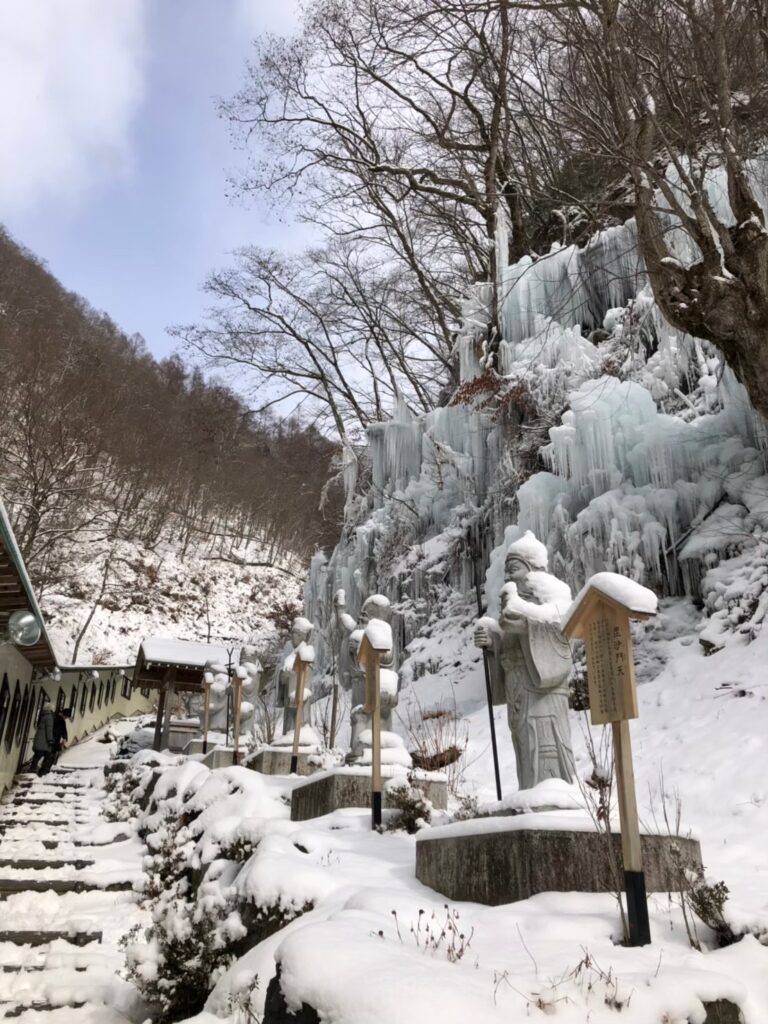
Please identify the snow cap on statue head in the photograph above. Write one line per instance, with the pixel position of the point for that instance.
(376, 607)
(529, 550)
(301, 627)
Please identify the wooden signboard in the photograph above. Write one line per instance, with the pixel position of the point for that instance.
(610, 666)
(602, 622)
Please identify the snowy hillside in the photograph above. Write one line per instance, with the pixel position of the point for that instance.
(206, 595)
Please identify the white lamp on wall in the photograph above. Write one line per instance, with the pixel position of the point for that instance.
(23, 629)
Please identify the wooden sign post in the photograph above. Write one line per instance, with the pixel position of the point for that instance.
(237, 686)
(600, 616)
(302, 659)
(206, 712)
(373, 645)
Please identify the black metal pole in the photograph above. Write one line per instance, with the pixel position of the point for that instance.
(334, 706)
(637, 908)
(486, 667)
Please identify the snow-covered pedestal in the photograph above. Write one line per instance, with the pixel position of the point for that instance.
(351, 787)
(277, 761)
(195, 746)
(220, 757)
(500, 860)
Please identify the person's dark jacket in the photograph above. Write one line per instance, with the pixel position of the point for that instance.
(59, 731)
(44, 735)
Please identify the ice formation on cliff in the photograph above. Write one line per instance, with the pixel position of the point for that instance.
(644, 444)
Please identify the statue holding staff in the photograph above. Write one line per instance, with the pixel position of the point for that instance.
(531, 662)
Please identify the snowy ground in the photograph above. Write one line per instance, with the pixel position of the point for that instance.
(156, 592)
(373, 947)
(702, 734)
(71, 977)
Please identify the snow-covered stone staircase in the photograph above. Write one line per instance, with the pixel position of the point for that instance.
(66, 898)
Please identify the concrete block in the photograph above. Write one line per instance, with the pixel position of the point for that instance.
(503, 865)
(278, 762)
(179, 738)
(351, 787)
(221, 757)
(195, 746)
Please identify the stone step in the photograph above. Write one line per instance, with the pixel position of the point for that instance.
(15, 1009)
(10, 886)
(55, 798)
(9, 826)
(24, 836)
(52, 955)
(60, 786)
(120, 837)
(41, 865)
(9, 821)
(35, 797)
(26, 968)
(32, 938)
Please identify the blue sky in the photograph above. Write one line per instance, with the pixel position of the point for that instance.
(119, 168)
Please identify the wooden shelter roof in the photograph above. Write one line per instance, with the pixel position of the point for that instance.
(161, 660)
(16, 593)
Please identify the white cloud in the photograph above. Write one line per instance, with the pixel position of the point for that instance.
(71, 79)
(279, 16)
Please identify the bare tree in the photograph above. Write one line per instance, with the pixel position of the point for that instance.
(393, 124)
(669, 96)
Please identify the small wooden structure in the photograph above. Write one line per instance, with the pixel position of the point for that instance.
(173, 666)
(600, 616)
(303, 659)
(373, 646)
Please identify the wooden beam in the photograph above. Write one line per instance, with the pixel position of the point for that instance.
(159, 719)
(168, 708)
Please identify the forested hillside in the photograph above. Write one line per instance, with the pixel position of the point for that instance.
(103, 446)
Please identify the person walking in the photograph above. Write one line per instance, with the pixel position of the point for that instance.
(60, 735)
(43, 742)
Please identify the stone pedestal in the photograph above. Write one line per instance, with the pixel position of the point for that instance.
(496, 861)
(221, 757)
(195, 746)
(278, 762)
(351, 787)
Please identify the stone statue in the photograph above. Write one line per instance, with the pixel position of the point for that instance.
(301, 630)
(249, 671)
(352, 675)
(216, 679)
(531, 662)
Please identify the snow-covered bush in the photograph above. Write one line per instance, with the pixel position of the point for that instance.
(436, 736)
(188, 944)
(412, 810)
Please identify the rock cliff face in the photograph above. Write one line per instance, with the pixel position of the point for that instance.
(623, 444)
